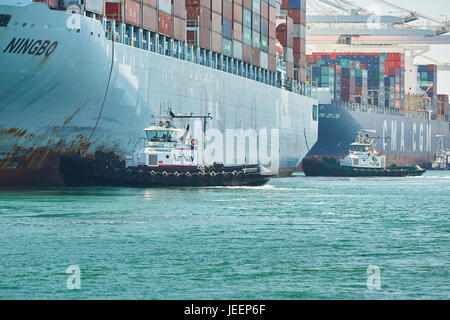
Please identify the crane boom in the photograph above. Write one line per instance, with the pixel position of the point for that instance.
(415, 13)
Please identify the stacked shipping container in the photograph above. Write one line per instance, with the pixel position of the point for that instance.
(351, 78)
(241, 29)
(296, 9)
(151, 15)
(385, 74)
(427, 76)
(394, 70)
(244, 28)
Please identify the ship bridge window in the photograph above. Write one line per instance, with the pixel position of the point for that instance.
(160, 136)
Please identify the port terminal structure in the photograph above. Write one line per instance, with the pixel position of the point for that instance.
(343, 26)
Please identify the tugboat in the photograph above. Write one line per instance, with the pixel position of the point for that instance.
(167, 157)
(441, 158)
(363, 160)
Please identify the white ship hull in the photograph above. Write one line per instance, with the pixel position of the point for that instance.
(75, 96)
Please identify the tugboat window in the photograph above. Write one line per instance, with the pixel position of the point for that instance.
(359, 148)
(159, 136)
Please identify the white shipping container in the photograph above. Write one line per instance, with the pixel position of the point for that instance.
(237, 50)
(264, 60)
(165, 6)
(95, 6)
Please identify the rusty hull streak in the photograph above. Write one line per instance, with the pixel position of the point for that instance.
(14, 131)
(70, 118)
(37, 165)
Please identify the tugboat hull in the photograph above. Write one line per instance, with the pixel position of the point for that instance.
(328, 167)
(108, 170)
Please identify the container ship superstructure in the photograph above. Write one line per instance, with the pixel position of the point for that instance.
(86, 77)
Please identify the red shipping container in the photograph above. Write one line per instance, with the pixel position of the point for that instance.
(133, 12)
(264, 10)
(164, 24)
(393, 56)
(296, 15)
(199, 12)
(247, 4)
(149, 18)
(179, 28)
(227, 10)
(284, 4)
(192, 12)
(237, 13)
(191, 37)
(296, 45)
(432, 68)
(113, 11)
(205, 38)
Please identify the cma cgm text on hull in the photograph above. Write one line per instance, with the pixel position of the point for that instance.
(83, 92)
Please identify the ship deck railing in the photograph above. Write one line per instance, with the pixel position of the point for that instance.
(157, 43)
(391, 111)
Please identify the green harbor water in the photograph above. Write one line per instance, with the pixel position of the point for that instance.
(295, 238)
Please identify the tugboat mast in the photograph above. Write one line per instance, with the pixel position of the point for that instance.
(167, 119)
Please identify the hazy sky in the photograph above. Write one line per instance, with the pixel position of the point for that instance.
(434, 8)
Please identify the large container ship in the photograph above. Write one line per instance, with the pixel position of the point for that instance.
(368, 91)
(90, 82)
